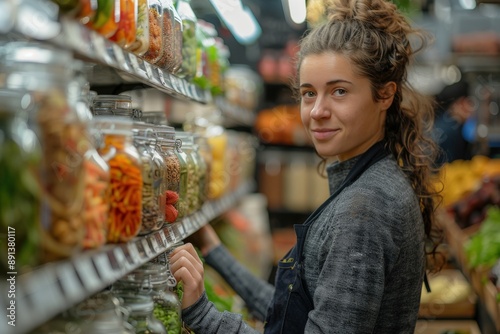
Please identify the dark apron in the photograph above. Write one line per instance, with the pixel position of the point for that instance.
(288, 312)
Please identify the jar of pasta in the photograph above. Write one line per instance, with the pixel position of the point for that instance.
(153, 180)
(20, 156)
(166, 144)
(47, 73)
(140, 45)
(125, 214)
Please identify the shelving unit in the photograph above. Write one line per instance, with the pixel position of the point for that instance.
(54, 287)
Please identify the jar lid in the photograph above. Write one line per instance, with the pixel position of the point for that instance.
(120, 105)
(165, 132)
(34, 53)
(186, 138)
(113, 125)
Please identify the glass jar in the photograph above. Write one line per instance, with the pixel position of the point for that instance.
(201, 78)
(125, 33)
(125, 214)
(166, 141)
(153, 180)
(189, 21)
(178, 31)
(88, 9)
(106, 18)
(166, 61)
(155, 15)
(96, 188)
(140, 45)
(193, 171)
(219, 177)
(112, 105)
(46, 73)
(141, 318)
(182, 202)
(20, 155)
(201, 152)
(154, 280)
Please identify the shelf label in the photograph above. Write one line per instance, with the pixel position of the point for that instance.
(149, 69)
(121, 259)
(154, 244)
(134, 63)
(88, 275)
(72, 289)
(161, 235)
(134, 254)
(147, 248)
(161, 77)
(120, 58)
(100, 50)
(169, 234)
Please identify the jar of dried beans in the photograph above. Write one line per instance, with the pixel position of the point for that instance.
(47, 73)
(167, 59)
(153, 180)
(166, 142)
(155, 15)
(125, 214)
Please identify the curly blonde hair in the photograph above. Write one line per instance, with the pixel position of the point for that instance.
(375, 36)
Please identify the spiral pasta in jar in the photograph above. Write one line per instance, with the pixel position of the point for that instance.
(125, 213)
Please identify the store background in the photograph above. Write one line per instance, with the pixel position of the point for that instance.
(284, 187)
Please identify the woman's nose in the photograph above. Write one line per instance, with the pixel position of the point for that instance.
(320, 109)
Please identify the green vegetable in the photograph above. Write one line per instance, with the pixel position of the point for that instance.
(104, 12)
(483, 248)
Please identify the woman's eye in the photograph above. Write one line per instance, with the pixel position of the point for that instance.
(339, 92)
(307, 93)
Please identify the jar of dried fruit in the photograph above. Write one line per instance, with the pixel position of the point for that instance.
(155, 16)
(125, 214)
(46, 72)
(166, 141)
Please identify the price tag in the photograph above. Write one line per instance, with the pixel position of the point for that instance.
(154, 243)
(103, 264)
(149, 69)
(134, 63)
(147, 249)
(121, 259)
(161, 77)
(100, 48)
(135, 256)
(120, 57)
(163, 238)
(169, 234)
(70, 283)
(88, 274)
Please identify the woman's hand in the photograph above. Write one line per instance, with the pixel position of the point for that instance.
(187, 268)
(205, 239)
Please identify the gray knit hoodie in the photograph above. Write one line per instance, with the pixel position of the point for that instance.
(364, 262)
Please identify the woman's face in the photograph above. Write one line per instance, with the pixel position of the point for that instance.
(337, 107)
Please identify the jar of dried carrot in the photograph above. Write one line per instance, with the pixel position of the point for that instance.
(125, 33)
(153, 179)
(125, 213)
(47, 74)
(166, 143)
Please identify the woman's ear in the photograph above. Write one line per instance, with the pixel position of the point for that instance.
(387, 94)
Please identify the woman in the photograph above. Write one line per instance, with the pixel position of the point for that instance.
(359, 261)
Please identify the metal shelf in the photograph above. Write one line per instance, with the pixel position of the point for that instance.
(54, 287)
